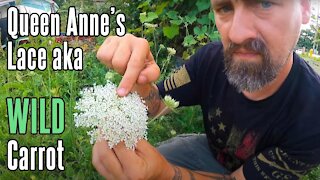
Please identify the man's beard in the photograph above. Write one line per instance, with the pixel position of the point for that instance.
(250, 76)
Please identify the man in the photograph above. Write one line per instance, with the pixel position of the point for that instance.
(260, 101)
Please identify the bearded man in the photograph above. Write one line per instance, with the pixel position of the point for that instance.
(260, 100)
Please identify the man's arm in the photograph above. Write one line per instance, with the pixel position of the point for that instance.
(152, 98)
(180, 173)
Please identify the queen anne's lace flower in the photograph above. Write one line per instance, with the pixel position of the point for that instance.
(170, 102)
(171, 51)
(111, 117)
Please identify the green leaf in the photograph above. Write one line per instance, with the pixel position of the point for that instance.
(204, 19)
(211, 16)
(203, 5)
(171, 31)
(204, 29)
(136, 30)
(200, 31)
(14, 85)
(214, 36)
(148, 17)
(185, 55)
(193, 13)
(144, 4)
(172, 15)
(160, 7)
(189, 41)
(197, 30)
(190, 19)
(176, 22)
(200, 39)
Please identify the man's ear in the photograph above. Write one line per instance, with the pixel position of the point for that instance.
(306, 11)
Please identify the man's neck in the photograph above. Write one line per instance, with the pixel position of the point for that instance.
(272, 87)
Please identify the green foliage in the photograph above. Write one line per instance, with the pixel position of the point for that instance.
(148, 17)
(49, 83)
(171, 31)
(313, 175)
(306, 39)
(178, 22)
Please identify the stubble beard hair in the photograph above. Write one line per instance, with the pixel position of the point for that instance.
(250, 76)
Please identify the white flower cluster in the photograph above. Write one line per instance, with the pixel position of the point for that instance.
(171, 51)
(111, 117)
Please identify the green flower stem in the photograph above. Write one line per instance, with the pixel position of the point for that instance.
(159, 114)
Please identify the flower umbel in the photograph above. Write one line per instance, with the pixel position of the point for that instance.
(170, 102)
(171, 51)
(111, 117)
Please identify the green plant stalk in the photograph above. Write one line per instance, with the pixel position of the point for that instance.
(159, 114)
(157, 55)
(186, 26)
(72, 99)
(165, 64)
(154, 40)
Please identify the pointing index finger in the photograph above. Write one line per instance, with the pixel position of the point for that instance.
(135, 65)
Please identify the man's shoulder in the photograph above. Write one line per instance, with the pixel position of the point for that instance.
(216, 44)
(309, 79)
(209, 55)
(212, 48)
(307, 68)
(306, 100)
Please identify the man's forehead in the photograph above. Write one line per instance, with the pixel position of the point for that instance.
(225, 1)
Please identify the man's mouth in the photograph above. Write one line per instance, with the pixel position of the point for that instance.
(244, 54)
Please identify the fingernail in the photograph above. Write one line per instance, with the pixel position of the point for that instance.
(122, 91)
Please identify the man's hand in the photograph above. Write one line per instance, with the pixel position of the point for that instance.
(145, 162)
(131, 57)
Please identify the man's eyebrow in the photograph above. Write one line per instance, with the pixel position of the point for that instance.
(219, 2)
(222, 2)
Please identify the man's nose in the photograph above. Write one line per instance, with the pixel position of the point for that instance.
(242, 27)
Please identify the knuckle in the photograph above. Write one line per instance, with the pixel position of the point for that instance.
(135, 176)
(95, 162)
(107, 61)
(109, 39)
(119, 66)
(104, 56)
(97, 155)
(100, 54)
(102, 156)
(128, 35)
(157, 70)
(144, 43)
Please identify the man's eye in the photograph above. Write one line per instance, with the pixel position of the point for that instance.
(225, 9)
(265, 4)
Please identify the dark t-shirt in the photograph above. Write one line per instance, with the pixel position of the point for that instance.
(275, 138)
